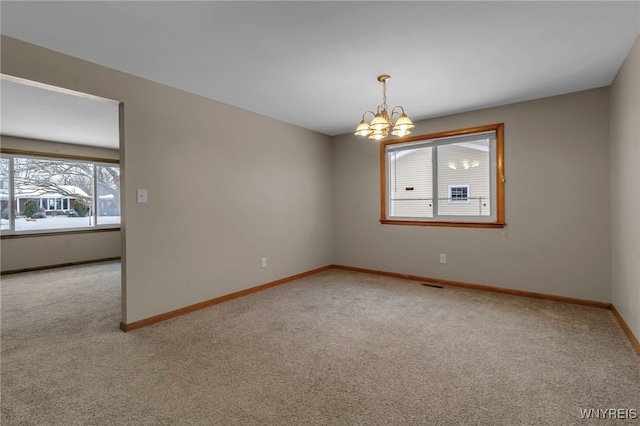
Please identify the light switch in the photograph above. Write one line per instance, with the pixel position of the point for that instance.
(142, 196)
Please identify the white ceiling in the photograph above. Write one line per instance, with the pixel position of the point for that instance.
(41, 112)
(315, 64)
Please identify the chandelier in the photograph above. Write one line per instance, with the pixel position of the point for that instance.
(383, 121)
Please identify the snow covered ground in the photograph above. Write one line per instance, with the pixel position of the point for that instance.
(59, 222)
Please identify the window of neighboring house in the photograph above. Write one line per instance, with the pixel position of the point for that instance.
(51, 194)
(446, 179)
(459, 193)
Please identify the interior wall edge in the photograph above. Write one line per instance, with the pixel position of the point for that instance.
(627, 330)
(549, 297)
(207, 303)
(60, 265)
(472, 286)
(554, 298)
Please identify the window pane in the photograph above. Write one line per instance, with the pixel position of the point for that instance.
(40, 186)
(464, 179)
(410, 178)
(108, 202)
(4, 193)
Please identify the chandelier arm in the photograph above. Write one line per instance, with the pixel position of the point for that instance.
(393, 111)
(368, 112)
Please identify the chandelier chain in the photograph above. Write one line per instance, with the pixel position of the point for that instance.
(384, 94)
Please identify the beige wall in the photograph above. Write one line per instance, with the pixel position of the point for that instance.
(38, 251)
(625, 189)
(557, 183)
(256, 187)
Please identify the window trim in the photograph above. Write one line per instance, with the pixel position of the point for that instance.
(57, 156)
(97, 161)
(499, 176)
(45, 233)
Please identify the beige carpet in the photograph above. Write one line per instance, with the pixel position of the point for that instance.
(336, 348)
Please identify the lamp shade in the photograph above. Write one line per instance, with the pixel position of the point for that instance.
(403, 122)
(402, 126)
(400, 132)
(379, 123)
(379, 134)
(363, 129)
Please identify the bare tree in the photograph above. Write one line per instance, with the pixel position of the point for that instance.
(73, 179)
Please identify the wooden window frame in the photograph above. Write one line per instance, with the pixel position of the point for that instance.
(499, 176)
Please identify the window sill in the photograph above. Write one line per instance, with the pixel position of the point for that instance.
(447, 224)
(49, 233)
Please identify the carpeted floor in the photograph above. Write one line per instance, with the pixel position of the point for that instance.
(336, 348)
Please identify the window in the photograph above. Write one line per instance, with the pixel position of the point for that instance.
(458, 193)
(108, 189)
(4, 194)
(446, 179)
(52, 194)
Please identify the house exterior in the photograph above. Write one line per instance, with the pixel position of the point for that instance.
(52, 202)
(464, 181)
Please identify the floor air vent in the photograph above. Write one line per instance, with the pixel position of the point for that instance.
(432, 285)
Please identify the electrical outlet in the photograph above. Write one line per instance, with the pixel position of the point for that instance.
(443, 258)
(264, 262)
